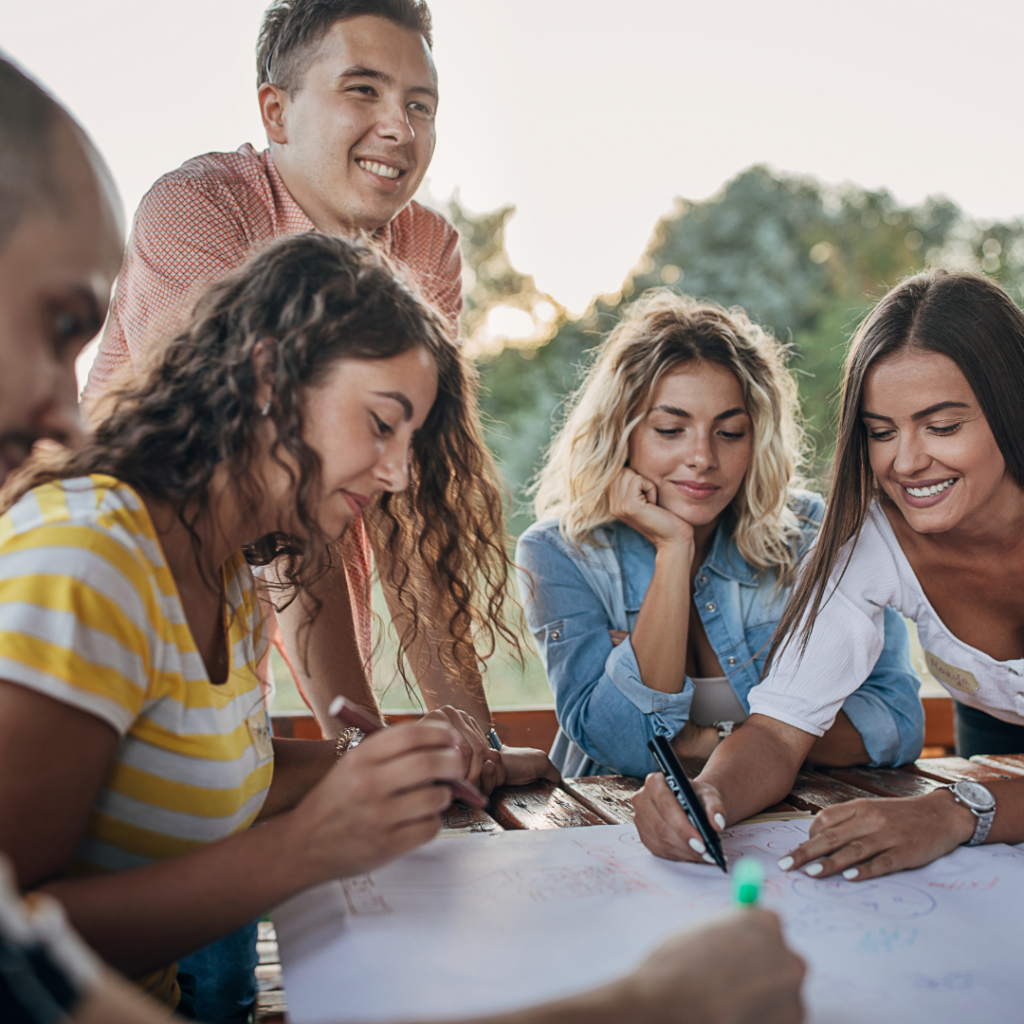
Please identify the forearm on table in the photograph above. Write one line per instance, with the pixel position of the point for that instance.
(660, 635)
(298, 766)
(1008, 823)
(144, 918)
(755, 767)
(840, 747)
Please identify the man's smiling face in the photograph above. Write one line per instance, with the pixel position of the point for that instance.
(357, 136)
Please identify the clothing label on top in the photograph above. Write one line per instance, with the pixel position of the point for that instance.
(949, 675)
(259, 730)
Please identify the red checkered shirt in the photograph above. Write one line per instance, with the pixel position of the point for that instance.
(200, 222)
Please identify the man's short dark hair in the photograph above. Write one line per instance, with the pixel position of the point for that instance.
(28, 117)
(292, 29)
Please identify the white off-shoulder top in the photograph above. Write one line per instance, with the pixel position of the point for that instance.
(807, 691)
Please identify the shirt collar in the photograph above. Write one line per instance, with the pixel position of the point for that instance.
(293, 217)
(290, 215)
(636, 554)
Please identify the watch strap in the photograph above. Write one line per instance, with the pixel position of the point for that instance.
(984, 819)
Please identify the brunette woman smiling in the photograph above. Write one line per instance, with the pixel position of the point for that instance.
(927, 515)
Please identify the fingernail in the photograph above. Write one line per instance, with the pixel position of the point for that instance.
(697, 846)
(720, 820)
(814, 869)
(851, 873)
(785, 863)
(709, 858)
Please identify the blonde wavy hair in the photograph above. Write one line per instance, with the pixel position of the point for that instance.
(660, 333)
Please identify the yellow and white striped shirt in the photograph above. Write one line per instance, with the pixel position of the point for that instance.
(90, 615)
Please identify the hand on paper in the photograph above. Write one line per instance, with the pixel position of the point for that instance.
(737, 970)
(379, 801)
(634, 501)
(867, 838)
(663, 825)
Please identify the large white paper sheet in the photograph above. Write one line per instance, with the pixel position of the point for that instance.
(494, 922)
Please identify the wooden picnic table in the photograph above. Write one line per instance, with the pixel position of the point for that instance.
(605, 800)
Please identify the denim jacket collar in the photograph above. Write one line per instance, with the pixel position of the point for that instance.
(636, 554)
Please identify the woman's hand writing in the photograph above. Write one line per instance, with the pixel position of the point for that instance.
(379, 801)
(663, 825)
(867, 838)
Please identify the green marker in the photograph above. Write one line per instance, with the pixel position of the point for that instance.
(747, 879)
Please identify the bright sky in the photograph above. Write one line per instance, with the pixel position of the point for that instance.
(589, 115)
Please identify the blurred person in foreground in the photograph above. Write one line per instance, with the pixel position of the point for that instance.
(60, 248)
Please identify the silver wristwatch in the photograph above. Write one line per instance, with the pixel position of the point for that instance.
(980, 802)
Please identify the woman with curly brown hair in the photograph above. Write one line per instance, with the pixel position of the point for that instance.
(134, 748)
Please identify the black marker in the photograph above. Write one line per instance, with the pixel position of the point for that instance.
(688, 799)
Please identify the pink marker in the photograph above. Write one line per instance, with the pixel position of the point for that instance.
(352, 714)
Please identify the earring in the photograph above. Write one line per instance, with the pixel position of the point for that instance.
(265, 411)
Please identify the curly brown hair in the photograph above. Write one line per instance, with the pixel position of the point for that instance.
(441, 544)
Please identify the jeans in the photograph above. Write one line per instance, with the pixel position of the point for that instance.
(979, 733)
(225, 977)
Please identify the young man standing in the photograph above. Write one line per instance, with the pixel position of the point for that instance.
(348, 94)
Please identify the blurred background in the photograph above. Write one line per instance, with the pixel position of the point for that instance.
(795, 158)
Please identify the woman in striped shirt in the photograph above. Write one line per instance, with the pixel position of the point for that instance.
(134, 747)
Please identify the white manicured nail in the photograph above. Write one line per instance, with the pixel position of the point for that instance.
(851, 873)
(814, 869)
(720, 820)
(697, 846)
(709, 858)
(785, 863)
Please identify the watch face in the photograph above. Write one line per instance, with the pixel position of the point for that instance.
(976, 796)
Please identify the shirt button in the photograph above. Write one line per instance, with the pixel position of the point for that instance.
(710, 606)
(703, 577)
(555, 634)
(731, 660)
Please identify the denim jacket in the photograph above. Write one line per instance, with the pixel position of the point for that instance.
(574, 597)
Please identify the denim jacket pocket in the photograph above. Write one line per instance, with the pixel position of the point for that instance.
(554, 631)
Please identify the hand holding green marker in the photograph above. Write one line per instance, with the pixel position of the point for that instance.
(747, 879)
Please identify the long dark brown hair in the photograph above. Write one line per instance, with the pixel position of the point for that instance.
(964, 316)
(316, 299)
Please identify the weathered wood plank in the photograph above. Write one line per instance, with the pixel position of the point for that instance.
(953, 769)
(606, 795)
(813, 791)
(1012, 763)
(462, 816)
(884, 781)
(541, 804)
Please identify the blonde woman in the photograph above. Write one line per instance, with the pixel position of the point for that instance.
(670, 530)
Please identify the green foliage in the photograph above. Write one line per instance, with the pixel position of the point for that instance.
(803, 258)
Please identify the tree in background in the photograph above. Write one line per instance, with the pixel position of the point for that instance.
(804, 258)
